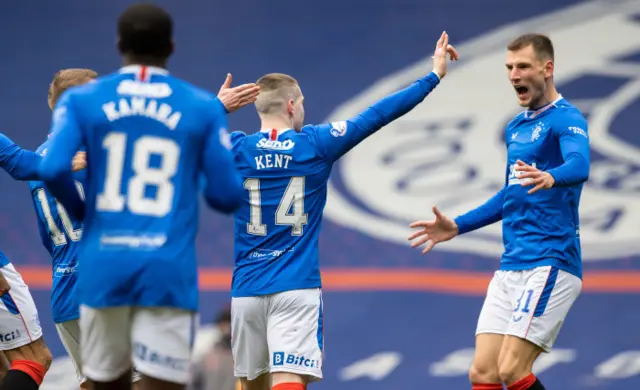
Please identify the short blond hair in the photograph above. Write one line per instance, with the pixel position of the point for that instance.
(67, 78)
(276, 89)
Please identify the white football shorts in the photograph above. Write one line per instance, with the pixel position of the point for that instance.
(530, 304)
(69, 332)
(280, 332)
(158, 340)
(19, 321)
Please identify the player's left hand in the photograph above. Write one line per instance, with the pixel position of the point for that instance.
(237, 97)
(79, 161)
(542, 180)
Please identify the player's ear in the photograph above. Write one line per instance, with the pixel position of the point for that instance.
(173, 47)
(290, 105)
(548, 69)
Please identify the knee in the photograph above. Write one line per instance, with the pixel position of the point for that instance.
(512, 370)
(484, 373)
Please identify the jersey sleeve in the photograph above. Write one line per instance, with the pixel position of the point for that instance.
(337, 138)
(572, 134)
(488, 213)
(222, 183)
(55, 168)
(21, 164)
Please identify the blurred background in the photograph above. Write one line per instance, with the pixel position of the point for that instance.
(394, 319)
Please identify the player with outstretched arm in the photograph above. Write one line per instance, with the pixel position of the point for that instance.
(277, 319)
(540, 273)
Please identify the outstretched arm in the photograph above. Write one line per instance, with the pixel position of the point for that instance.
(444, 229)
(490, 212)
(337, 138)
(21, 164)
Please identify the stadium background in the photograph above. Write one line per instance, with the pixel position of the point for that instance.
(393, 318)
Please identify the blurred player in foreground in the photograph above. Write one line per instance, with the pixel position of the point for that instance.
(60, 233)
(148, 136)
(277, 322)
(540, 273)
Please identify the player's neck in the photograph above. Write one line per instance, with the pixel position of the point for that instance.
(550, 95)
(276, 123)
(142, 60)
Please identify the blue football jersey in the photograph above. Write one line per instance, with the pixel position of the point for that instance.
(285, 177)
(542, 228)
(20, 164)
(148, 137)
(60, 234)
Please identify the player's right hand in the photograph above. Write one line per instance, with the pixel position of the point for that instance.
(79, 161)
(443, 48)
(441, 229)
(4, 285)
(237, 97)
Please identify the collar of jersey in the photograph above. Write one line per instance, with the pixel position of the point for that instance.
(279, 131)
(533, 114)
(135, 69)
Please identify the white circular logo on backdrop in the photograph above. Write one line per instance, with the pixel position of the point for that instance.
(449, 151)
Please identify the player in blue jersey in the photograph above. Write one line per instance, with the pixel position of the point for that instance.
(277, 316)
(60, 234)
(20, 332)
(540, 272)
(148, 137)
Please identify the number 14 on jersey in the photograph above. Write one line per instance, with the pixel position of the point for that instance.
(290, 209)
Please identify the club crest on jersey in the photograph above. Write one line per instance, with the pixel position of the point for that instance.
(535, 133)
(338, 129)
(450, 151)
(275, 145)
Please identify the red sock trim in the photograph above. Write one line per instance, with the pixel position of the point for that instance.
(524, 383)
(35, 370)
(289, 386)
(486, 386)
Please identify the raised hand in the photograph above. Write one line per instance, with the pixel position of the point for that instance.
(234, 98)
(443, 48)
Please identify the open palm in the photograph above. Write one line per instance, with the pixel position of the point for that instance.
(432, 232)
